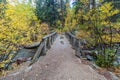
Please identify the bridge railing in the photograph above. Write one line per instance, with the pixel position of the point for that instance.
(45, 44)
(75, 44)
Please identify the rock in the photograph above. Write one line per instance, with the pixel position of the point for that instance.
(83, 42)
(61, 37)
(96, 52)
(24, 53)
(90, 58)
(113, 76)
(29, 59)
(21, 60)
(115, 63)
(28, 69)
(118, 51)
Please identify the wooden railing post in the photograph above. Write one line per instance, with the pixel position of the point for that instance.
(45, 47)
(52, 39)
(76, 44)
(78, 51)
(54, 36)
(49, 42)
(70, 39)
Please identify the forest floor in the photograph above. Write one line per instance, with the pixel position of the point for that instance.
(60, 63)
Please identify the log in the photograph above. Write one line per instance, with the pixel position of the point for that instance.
(32, 46)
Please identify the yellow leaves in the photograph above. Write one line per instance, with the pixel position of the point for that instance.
(106, 7)
(44, 28)
(115, 11)
(92, 22)
(70, 22)
(2, 65)
(104, 23)
(107, 10)
(85, 1)
(82, 34)
(73, 24)
(116, 26)
(17, 28)
(100, 1)
(115, 38)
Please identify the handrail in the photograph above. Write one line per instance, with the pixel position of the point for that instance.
(49, 35)
(45, 44)
(75, 42)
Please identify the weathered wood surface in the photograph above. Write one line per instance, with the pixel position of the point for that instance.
(75, 44)
(37, 54)
(60, 63)
(45, 44)
(32, 46)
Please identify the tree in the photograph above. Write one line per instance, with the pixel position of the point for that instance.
(116, 4)
(18, 27)
(46, 10)
(3, 1)
(96, 27)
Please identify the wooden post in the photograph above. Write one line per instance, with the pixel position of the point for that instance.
(78, 51)
(52, 39)
(73, 39)
(44, 48)
(70, 39)
(49, 42)
(74, 42)
(37, 53)
(55, 36)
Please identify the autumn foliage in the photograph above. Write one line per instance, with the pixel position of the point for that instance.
(18, 26)
(97, 27)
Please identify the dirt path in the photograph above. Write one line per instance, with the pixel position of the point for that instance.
(60, 63)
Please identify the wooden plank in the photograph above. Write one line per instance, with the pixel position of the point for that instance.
(76, 44)
(45, 47)
(49, 42)
(37, 53)
(46, 42)
(49, 35)
(78, 50)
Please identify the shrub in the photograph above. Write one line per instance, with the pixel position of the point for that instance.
(106, 60)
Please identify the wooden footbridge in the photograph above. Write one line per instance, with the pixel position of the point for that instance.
(59, 61)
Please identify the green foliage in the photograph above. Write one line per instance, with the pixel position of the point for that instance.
(97, 27)
(46, 11)
(106, 59)
(50, 11)
(3, 1)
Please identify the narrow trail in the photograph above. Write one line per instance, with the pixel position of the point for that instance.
(60, 63)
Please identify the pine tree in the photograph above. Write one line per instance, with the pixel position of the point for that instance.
(47, 11)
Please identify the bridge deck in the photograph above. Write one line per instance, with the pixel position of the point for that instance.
(60, 63)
